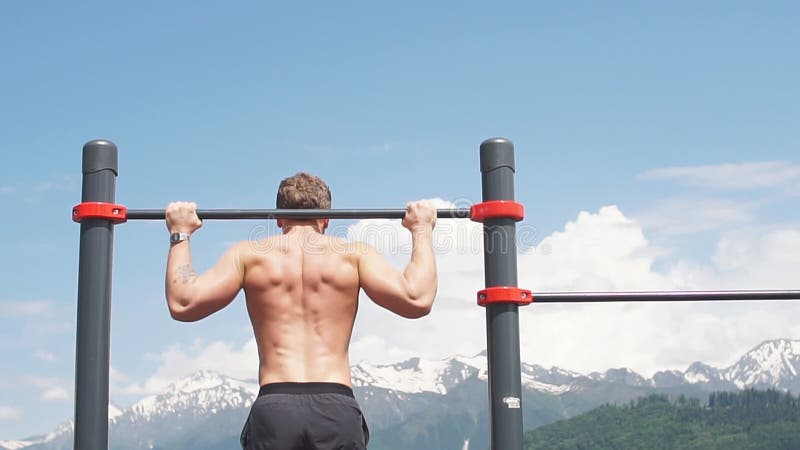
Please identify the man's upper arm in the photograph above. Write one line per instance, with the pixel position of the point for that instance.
(385, 285)
(216, 288)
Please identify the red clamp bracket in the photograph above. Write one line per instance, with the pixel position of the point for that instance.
(99, 210)
(508, 209)
(504, 294)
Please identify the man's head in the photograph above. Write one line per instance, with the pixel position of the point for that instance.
(304, 191)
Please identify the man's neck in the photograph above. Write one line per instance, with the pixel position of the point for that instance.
(302, 227)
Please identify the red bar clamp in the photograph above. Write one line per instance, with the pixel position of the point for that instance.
(99, 210)
(504, 294)
(508, 209)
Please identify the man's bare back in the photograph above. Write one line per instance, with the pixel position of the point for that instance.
(302, 297)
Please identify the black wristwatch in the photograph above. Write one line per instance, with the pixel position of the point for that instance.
(174, 238)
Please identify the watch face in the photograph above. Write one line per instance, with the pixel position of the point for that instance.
(174, 238)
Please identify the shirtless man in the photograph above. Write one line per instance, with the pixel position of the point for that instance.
(301, 289)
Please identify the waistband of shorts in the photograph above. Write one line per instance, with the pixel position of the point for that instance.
(305, 388)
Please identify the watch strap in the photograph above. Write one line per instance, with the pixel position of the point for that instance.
(174, 238)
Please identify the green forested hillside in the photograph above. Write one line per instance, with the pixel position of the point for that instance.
(730, 420)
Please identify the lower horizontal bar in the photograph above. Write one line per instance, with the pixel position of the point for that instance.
(663, 296)
(236, 214)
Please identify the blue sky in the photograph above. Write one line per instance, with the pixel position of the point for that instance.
(657, 145)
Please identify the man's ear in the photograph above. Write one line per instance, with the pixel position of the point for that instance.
(325, 223)
(280, 223)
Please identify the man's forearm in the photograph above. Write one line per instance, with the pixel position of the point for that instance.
(420, 274)
(181, 275)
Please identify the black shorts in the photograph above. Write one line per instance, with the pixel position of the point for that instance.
(299, 416)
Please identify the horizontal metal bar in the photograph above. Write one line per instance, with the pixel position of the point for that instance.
(235, 214)
(663, 296)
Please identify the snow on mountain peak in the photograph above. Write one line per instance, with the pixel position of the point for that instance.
(700, 373)
(770, 363)
(412, 376)
(418, 375)
(14, 445)
(114, 411)
(202, 392)
(198, 381)
(478, 361)
(61, 430)
(774, 364)
(625, 376)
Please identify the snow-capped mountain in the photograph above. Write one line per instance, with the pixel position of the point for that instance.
(184, 407)
(774, 364)
(417, 375)
(61, 432)
(710, 378)
(200, 394)
(419, 394)
(553, 381)
(621, 376)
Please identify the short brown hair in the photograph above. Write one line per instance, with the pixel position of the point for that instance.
(303, 191)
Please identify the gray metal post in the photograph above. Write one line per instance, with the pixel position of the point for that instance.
(94, 300)
(502, 319)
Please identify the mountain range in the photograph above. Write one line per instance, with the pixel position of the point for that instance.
(420, 403)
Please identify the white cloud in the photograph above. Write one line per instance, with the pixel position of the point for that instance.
(58, 183)
(178, 361)
(602, 251)
(8, 413)
(12, 309)
(686, 215)
(650, 337)
(753, 175)
(35, 316)
(51, 388)
(55, 393)
(115, 376)
(372, 344)
(122, 384)
(759, 257)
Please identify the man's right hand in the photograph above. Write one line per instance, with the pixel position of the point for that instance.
(419, 215)
(182, 217)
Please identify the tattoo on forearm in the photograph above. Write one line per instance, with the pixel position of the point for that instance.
(186, 274)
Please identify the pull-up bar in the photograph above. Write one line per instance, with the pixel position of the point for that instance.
(233, 214)
(478, 212)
